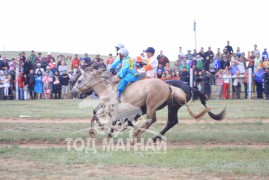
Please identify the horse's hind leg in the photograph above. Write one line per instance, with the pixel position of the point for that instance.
(138, 133)
(172, 121)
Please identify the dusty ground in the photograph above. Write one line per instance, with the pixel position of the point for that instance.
(11, 168)
(187, 121)
(19, 169)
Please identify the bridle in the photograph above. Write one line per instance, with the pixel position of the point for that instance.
(91, 86)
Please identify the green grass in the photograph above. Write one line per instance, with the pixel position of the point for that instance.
(221, 160)
(239, 133)
(64, 109)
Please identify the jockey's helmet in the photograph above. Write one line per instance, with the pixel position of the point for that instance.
(123, 52)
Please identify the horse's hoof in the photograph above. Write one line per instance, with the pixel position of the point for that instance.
(157, 138)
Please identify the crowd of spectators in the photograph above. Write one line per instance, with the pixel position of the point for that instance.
(42, 77)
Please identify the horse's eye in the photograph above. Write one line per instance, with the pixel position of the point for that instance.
(79, 81)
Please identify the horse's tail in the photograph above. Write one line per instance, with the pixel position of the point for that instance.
(198, 94)
(181, 97)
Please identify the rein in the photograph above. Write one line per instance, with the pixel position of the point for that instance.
(87, 86)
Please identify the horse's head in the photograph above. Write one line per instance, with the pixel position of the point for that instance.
(89, 78)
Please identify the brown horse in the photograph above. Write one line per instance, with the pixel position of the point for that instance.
(149, 95)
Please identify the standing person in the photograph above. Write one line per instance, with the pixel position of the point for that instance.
(246, 83)
(54, 68)
(6, 83)
(46, 85)
(162, 59)
(21, 81)
(64, 80)
(258, 79)
(206, 89)
(233, 69)
(86, 59)
(39, 68)
(38, 58)
(180, 52)
(225, 62)
(264, 54)
(2, 78)
(12, 65)
(50, 57)
(237, 77)
(256, 51)
(229, 47)
(185, 75)
(44, 64)
(27, 66)
(219, 52)
(209, 53)
(62, 68)
(266, 82)
(32, 58)
(30, 83)
(202, 53)
(219, 84)
(188, 55)
(57, 87)
(75, 61)
(38, 89)
(152, 63)
(199, 62)
(257, 61)
(206, 63)
(97, 58)
(217, 62)
(226, 83)
(4, 64)
(238, 52)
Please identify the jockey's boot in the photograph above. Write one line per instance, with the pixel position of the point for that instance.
(118, 96)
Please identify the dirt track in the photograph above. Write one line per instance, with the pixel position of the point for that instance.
(185, 121)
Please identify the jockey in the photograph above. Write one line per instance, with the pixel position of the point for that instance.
(152, 63)
(117, 61)
(127, 73)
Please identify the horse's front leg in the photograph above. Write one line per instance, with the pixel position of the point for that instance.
(93, 119)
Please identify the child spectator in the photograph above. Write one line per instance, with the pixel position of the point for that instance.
(21, 81)
(38, 84)
(219, 84)
(6, 83)
(57, 87)
(226, 83)
(46, 85)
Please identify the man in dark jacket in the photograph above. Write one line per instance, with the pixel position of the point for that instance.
(209, 53)
(27, 66)
(30, 82)
(185, 75)
(4, 64)
(229, 48)
(64, 80)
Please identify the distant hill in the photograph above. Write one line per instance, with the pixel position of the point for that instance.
(14, 54)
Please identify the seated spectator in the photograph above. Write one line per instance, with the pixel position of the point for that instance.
(57, 87)
(64, 80)
(62, 68)
(174, 76)
(75, 61)
(46, 80)
(219, 84)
